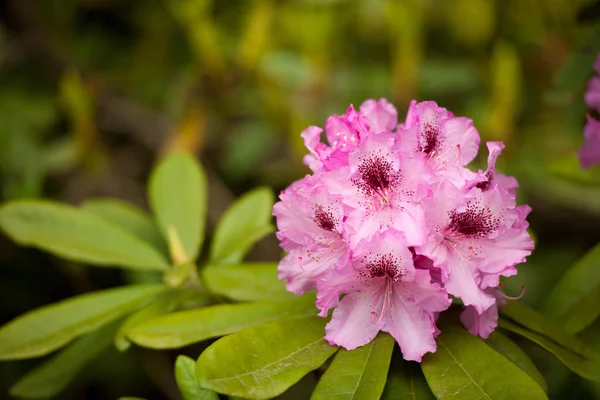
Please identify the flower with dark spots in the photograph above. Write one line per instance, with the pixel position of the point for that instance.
(391, 222)
(309, 229)
(448, 142)
(383, 291)
(479, 236)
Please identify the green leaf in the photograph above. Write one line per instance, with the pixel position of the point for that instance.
(54, 375)
(45, 329)
(129, 217)
(357, 374)
(514, 353)
(263, 361)
(162, 305)
(582, 366)
(185, 375)
(536, 322)
(185, 327)
(245, 282)
(243, 224)
(569, 302)
(178, 197)
(77, 235)
(464, 367)
(405, 381)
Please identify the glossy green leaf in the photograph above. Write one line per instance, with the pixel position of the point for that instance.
(185, 375)
(45, 329)
(76, 234)
(243, 224)
(405, 381)
(161, 305)
(54, 375)
(569, 302)
(178, 197)
(582, 366)
(514, 353)
(245, 282)
(464, 367)
(357, 374)
(263, 361)
(185, 327)
(537, 322)
(129, 217)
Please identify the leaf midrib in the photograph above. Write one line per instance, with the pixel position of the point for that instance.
(269, 364)
(364, 368)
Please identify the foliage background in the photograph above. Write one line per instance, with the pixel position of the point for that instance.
(94, 91)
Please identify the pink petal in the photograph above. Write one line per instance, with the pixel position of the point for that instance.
(461, 142)
(510, 248)
(352, 324)
(480, 324)
(592, 96)
(381, 115)
(390, 244)
(302, 267)
(318, 151)
(411, 321)
(344, 132)
(331, 286)
(589, 153)
(410, 220)
(463, 282)
(374, 146)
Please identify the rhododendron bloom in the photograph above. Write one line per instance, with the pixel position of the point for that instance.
(384, 292)
(391, 224)
(592, 96)
(589, 153)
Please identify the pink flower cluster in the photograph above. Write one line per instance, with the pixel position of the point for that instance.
(589, 153)
(391, 223)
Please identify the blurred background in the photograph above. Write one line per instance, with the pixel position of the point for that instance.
(93, 92)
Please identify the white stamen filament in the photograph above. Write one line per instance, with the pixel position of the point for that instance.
(387, 300)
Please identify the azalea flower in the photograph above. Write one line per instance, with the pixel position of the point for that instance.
(391, 224)
(592, 96)
(310, 226)
(383, 291)
(589, 153)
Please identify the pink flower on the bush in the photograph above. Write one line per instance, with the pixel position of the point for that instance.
(592, 96)
(391, 223)
(589, 153)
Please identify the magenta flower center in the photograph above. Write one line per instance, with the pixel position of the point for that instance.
(324, 218)
(429, 138)
(476, 222)
(376, 176)
(384, 266)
